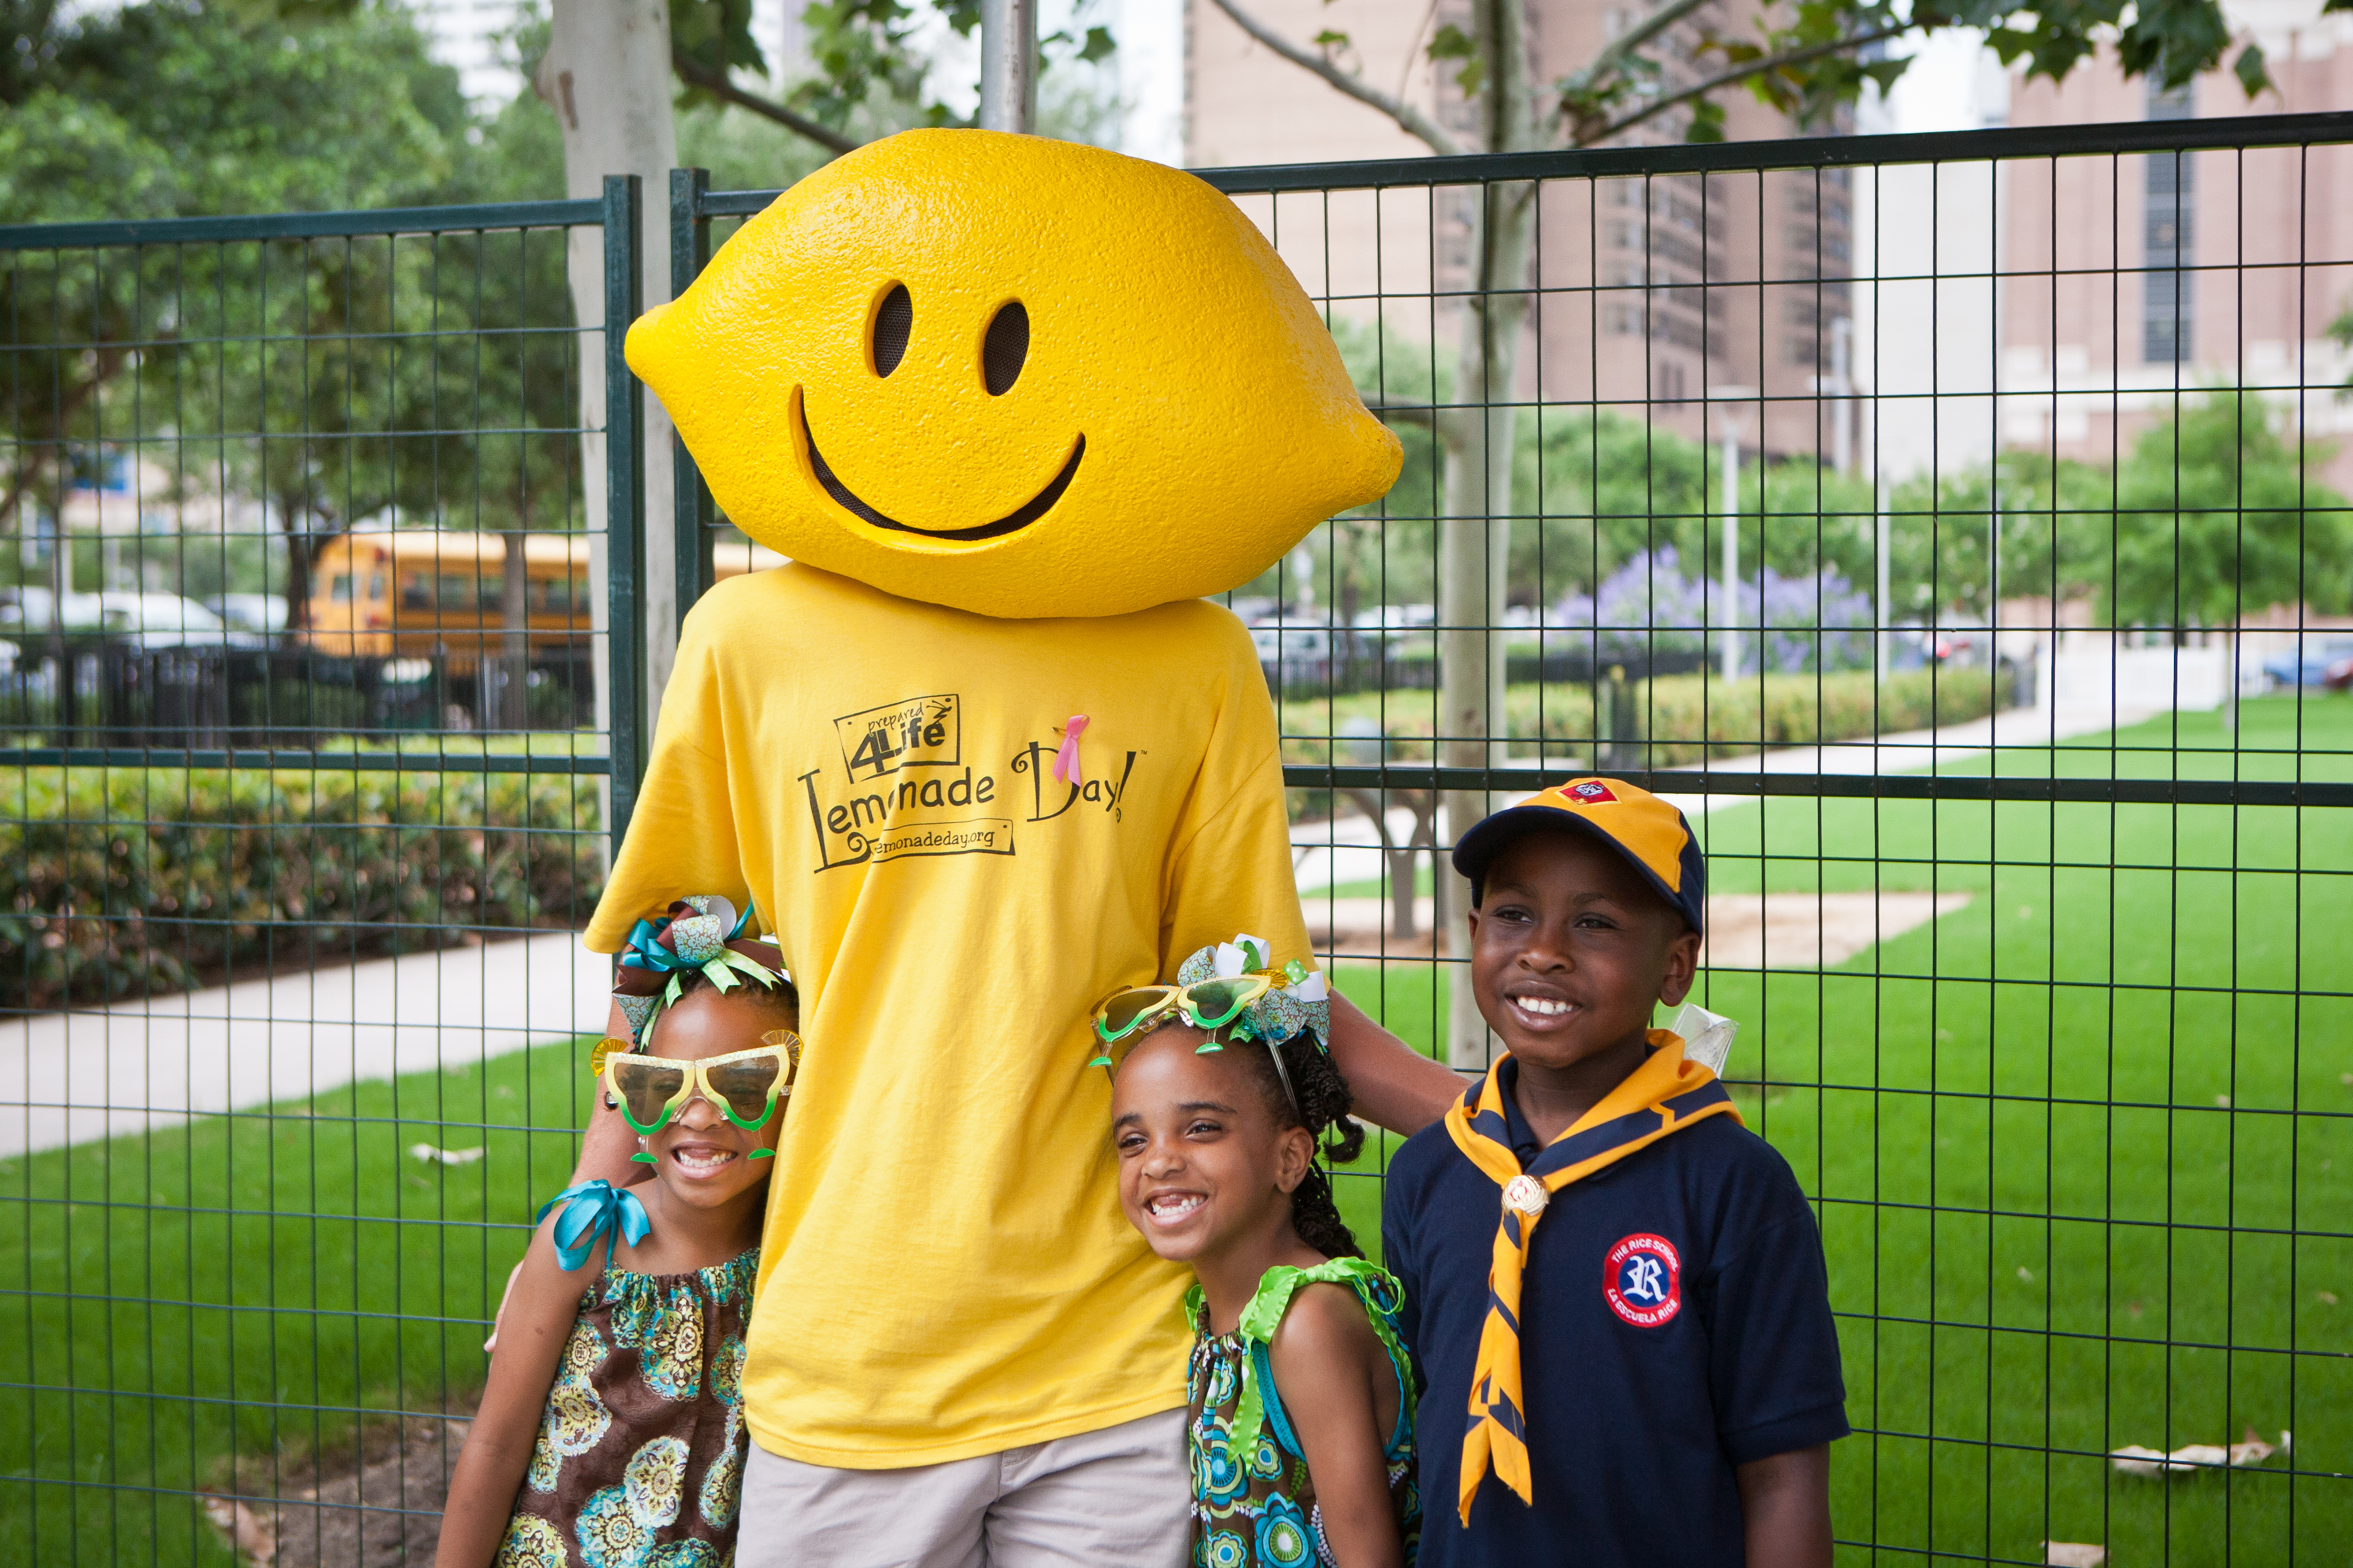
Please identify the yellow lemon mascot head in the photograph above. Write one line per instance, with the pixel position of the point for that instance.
(1016, 376)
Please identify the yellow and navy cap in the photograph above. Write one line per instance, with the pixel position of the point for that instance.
(1652, 836)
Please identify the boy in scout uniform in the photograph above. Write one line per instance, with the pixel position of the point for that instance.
(1614, 1291)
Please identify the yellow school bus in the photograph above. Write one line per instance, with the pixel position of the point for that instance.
(417, 593)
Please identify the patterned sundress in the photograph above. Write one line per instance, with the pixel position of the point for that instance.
(639, 1462)
(1253, 1500)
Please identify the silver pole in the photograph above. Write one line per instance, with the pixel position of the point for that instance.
(1731, 422)
(1009, 65)
(1731, 551)
(1879, 635)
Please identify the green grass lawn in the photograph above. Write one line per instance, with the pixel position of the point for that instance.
(2083, 1149)
(251, 1287)
(2077, 1148)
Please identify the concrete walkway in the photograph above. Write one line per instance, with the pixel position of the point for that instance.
(136, 1066)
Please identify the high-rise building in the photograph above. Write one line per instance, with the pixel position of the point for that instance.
(1651, 294)
(2134, 282)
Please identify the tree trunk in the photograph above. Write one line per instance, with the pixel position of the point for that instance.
(304, 539)
(514, 668)
(607, 75)
(1475, 536)
(1403, 860)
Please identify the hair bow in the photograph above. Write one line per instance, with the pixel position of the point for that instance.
(591, 1210)
(697, 935)
(1298, 1000)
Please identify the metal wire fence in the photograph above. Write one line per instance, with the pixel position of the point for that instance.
(321, 711)
(1952, 525)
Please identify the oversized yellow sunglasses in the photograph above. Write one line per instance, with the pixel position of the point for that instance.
(743, 1086)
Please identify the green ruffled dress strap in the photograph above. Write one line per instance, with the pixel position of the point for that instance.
(1264, 1315)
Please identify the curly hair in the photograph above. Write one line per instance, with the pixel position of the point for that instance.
(1322, 1109)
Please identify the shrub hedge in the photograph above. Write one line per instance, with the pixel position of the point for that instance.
(126, 882)
(1683, 718)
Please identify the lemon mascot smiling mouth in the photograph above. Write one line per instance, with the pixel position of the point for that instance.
(981, 754)
(1018, 377)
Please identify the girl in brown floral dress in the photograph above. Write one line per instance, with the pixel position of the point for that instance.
(611, 1433)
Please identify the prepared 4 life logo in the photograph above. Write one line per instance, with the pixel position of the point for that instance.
(1642, 1279)
(920, 733)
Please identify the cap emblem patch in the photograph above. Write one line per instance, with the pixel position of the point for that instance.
(1642, 1280)
(1592, 792)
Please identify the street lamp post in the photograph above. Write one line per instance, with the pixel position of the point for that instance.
(1878, 600)
(1009, 65)
(1731, 423)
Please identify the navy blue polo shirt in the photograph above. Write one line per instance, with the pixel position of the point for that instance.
(1676, 1322)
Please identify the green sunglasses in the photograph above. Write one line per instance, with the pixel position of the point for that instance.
(1127, 1015)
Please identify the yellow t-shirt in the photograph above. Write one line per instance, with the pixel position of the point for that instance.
(946, 1270)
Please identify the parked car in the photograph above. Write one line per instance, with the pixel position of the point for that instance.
(29, 610)
(2314, 661)
(251, 612)
(1383, 621)
(1296, 654)
(153, 621)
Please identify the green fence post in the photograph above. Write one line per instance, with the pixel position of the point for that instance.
(625, 515)
(690, 244)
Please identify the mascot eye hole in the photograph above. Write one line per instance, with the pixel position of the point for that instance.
(893, 318)
(1005, 349)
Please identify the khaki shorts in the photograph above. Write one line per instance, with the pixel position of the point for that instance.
(1121, 1495)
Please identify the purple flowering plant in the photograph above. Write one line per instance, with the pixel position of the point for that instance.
(1647, 607)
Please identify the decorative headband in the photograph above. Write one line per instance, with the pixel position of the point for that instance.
(1298, 1001)
(700, 934)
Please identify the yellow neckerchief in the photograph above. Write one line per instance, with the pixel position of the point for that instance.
(1664, 1095)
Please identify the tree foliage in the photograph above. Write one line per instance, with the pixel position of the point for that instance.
(2217, 516)
(872, 68)
(426, 377)
(2212, 514)
(1807, 60)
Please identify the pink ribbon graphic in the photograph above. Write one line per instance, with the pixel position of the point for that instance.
(1066, 760)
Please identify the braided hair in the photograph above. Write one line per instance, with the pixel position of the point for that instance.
(1323, 1102)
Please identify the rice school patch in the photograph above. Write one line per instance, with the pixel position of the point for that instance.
(1641, 1279)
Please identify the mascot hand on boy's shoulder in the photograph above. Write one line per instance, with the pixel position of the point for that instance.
(1013, 375)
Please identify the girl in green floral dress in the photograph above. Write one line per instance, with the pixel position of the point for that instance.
(611, 1433)
(1300, 1431)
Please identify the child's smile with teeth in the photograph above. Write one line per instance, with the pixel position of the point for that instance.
(1173, 1208)
(701, 1160)
(1543, 1007)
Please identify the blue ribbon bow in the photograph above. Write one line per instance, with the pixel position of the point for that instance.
(646, 949)
(595, 1209)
